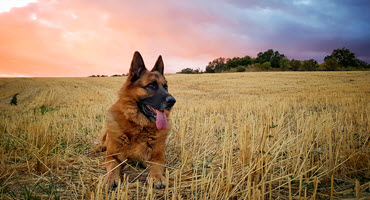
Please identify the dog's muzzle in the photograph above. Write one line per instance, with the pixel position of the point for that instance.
(170, 101)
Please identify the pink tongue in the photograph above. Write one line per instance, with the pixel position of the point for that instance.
(161, 120)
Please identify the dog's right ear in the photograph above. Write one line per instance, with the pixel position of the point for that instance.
(137, 67)
(159, 66)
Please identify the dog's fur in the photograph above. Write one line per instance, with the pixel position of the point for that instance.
(132, 133)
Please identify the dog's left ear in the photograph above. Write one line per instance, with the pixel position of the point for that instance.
(159, 66)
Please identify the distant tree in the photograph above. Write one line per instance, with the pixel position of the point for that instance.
(190, 71)
(362, 64)
(186, 71)
(216, 66)
(295, 65)
(275, 62)
(284, 64)
(310, 65)
(344, 57)
(265, 56)
(331, 64)
(197, 71)
(245, 61)
(236, 61)
(232, 62)
(254, 60)
(270, 56)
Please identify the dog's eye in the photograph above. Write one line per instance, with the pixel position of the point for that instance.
(153, 85)
(165, 86)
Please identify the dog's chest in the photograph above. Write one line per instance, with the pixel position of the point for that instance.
(140, 145)
(140, 148)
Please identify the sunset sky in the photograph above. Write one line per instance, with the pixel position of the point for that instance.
(63, 38)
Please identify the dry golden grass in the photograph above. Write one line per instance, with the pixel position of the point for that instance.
(270, 135)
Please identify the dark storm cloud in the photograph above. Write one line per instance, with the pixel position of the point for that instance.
(305, 29)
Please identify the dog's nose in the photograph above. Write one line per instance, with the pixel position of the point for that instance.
(170, 101)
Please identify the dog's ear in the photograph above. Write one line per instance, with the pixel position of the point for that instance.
(159, 66)
(137, 67)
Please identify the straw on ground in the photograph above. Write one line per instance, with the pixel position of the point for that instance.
(270, 135)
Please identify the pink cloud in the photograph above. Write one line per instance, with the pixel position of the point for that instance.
(80, 38)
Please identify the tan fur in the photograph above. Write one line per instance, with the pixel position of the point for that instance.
(130, 135)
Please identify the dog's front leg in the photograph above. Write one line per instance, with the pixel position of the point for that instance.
(157, 163)
(113, 164)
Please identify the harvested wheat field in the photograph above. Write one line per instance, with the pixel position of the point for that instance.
(262, 135)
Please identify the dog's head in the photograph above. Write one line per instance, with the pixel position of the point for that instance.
(150, 91)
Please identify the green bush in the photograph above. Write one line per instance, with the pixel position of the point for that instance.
(331, 65)
(284, 64)
(240, 68)
(310, 65)
(266, 66)
(295, 65)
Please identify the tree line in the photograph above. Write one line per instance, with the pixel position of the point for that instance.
(340, 59)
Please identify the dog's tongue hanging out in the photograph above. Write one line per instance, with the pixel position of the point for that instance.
(161, 120)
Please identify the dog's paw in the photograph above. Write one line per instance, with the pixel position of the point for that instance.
(111, 181)
(99, 148)
(159, 181)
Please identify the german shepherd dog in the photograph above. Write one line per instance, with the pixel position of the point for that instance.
(137, 124)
